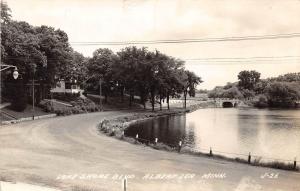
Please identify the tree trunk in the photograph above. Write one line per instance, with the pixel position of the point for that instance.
(168, 99)
(152, 100)
(160, 104)
(105, 98)
(185, 94)
(143, 97)
(122, 94)
(130, 98)
(143, 100)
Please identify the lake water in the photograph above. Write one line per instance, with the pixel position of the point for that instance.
(273, 134)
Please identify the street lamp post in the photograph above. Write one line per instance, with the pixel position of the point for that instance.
(5, 67)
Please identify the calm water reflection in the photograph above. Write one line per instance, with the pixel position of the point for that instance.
(267, 133)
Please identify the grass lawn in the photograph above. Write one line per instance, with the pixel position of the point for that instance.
(4, 118)
(26, 113)
(115, 102)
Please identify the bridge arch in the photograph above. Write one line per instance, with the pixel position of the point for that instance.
(228, 104)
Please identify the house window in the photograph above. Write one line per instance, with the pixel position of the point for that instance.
(74, 87)
(68, 86)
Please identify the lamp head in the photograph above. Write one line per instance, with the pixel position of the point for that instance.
(15, 73)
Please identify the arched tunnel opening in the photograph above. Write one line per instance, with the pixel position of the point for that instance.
(227, 104)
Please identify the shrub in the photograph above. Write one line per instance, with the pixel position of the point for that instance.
(66, 96)
(59, 112)
(49, 108)
(261, 102)
(283, 94)
(79, 106)
(112, 133)
(68, 111)
(75, 110)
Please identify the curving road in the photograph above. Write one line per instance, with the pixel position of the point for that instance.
(43, 151)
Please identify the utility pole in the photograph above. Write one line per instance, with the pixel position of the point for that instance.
(100, 93)
(33, 109)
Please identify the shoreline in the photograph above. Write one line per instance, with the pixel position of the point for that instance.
(116, 127)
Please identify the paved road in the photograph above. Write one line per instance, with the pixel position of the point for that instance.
(42, 151)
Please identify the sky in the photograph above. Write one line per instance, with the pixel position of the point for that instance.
(134, 20)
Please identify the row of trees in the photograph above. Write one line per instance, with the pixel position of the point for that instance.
(151, 75)
(281, 91)
(45, 55)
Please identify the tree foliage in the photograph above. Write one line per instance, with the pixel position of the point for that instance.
(100, 66)
(43, 53)
(40, 53)
(248, 79)
(5, 13)
(281, 91)
(134, 71)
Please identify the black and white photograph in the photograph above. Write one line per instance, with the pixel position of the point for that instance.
(150, 95)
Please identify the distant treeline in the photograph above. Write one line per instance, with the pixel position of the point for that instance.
(281, 91)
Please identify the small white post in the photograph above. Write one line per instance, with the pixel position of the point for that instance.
(125, 184)
(136, 138)
(156, 139)
(122, 135)
(179, 146)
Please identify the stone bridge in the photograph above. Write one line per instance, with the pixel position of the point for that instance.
(227, 103)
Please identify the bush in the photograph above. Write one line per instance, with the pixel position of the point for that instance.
(262, 101)
(49, 108)
(66, 96)
(68, 111)
(79, 106)
(75, 110)
(283, 94)
(58, 112)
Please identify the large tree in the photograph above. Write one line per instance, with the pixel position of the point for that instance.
(76, 69)
(152, 74)
(190, 82)
(40, 53)
(134, 71)
(283, 94)
(100, 67)
(248, 79)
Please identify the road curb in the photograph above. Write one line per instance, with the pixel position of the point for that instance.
(27, 119)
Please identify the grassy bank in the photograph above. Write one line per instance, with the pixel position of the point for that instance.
(116, 127)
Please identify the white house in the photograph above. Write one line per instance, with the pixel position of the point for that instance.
(66, 87)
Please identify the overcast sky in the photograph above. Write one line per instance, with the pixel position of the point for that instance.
(125, 20)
